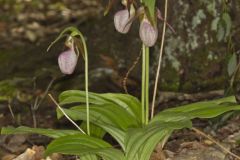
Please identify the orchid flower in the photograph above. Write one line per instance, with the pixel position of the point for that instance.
(67, 61)
(122, 20)
(148, 33)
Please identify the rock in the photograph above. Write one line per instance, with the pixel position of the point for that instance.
(198, 151)
(34, 153)
(29, 154)
(14, 143)
(8, 157)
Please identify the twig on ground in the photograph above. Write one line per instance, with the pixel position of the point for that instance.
(60, 108)
(10, 109)
(214, 141)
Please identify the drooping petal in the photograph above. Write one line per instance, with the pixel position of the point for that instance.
(148, 33)
(121, 21)
(67, 61)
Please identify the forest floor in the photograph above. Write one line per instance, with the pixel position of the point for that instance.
(182, 145)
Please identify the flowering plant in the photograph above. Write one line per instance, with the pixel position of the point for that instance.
(122, 116)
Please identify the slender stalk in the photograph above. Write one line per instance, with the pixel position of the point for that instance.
(160, 60)
(86, 89)
(143, 83)
(147, 84)
(86, 82)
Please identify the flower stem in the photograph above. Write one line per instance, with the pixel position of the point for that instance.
(147, 84)
(143, 83)
(86, 90)
(86, 81)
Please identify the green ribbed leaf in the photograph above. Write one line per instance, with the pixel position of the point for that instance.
(142, 141)
(108, 122)
(76, 96)
(46, 132)
(125, 101)
(118, 134)
(95, 130)
(206, 109)
(105, 114)
(89, 157)
(83, 144)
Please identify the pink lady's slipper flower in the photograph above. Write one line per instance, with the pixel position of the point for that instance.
(122, 20)
(67, 61)
(148, 33)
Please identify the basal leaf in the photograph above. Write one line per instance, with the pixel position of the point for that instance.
(83, 144)
(108, 124)
(148, 148)
(127, 102)
(206, 109)
(89, 157)
(149, 136)
(118, 134)
(95, 130)
(76, 96)
(46, 132)
(103, 114)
